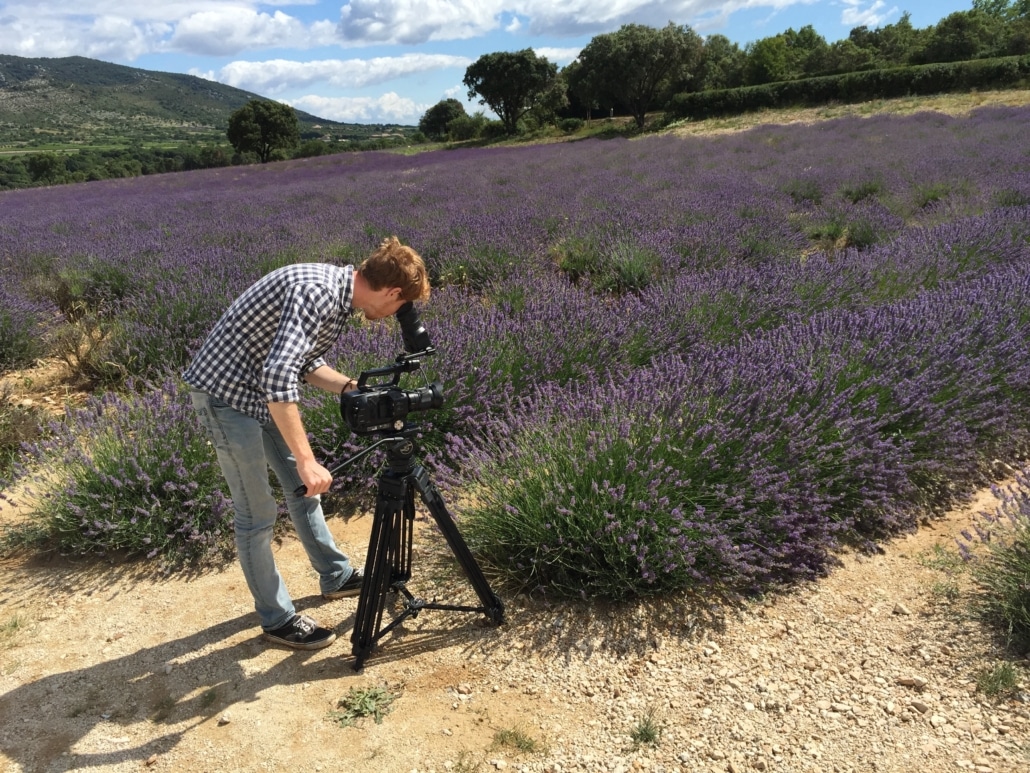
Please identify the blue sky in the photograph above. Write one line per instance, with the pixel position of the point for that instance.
(388, 61)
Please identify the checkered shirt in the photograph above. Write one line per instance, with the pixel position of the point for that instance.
(273, 335)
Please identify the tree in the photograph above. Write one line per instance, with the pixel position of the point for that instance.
(264, 128)
(721, 66)
(768, 61)
(847, 56)
(510, 84)
(808, 51)
(434, 122)
(636, 66)
(964, 35)
(46, 167)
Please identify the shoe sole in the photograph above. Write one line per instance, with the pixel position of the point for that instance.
(293, 645)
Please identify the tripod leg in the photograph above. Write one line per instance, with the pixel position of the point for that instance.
(386, 547)
(493, 606)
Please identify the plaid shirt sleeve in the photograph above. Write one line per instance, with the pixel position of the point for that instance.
(305, 309)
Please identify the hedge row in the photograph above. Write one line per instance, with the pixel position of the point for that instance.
(1004, 72)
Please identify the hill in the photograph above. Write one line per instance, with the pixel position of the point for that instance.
(80, 102)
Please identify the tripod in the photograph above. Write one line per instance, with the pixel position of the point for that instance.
(388, 565)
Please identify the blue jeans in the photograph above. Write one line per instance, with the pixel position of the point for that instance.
(246, 449)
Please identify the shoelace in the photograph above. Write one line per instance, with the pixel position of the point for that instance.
(304, 624)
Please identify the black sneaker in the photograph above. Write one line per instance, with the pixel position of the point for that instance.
(350, 588)
(301, 633)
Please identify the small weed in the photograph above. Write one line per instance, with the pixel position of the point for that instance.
(1010, 198)
(208, 698)
(947, 590)
(372, 702)
(13, 625)
(942, 560)
(516, 738)
(163, 709)
(647, 731)
(466, 763)
(86, 705)
(997, 681)
(8, 667)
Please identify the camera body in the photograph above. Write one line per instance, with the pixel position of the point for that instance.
(379, 404)
(385, 408)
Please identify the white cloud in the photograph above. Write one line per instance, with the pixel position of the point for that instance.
(228, 31)
(856, 16)
(99, 37)
(279, 75)
(388, 108)
(123, 29)
(417, 21)
(559, 56)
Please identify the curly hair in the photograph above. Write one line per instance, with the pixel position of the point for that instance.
(394, 265)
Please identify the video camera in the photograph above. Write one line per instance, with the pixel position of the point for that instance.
(378, 405)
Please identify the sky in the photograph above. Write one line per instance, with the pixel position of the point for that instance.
(388, 61)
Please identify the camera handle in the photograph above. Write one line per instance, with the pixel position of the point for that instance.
(302, 490)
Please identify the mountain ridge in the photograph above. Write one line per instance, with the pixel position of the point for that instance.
(82, 101)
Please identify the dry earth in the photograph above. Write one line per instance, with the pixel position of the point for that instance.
(872, 669)
(110, 667)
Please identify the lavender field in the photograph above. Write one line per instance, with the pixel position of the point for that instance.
(670, 363)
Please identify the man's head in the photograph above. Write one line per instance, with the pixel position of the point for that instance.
(390, 277)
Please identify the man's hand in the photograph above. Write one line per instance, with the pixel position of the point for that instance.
(314, 476)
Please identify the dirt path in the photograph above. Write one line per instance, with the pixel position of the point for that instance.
(102, 668)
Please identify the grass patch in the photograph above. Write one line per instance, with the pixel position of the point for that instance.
(998, 681)
(518, 739)
(647, 731)
(375, 702)
(10, 629)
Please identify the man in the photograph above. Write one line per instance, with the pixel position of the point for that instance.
(245, 387)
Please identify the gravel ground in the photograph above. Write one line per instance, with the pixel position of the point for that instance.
(871, 669)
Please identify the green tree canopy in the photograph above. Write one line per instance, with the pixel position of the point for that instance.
(768, 61)
(264, 127)
(1003, 9)
(46, 167)
(510, 83)
(434, 122)
(721, 66)
(636, 66)
(964, 35)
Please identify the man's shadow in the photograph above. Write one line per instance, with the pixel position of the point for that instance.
(41, 722)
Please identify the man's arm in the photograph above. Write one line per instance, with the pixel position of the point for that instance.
(330, 380)
(313, 475)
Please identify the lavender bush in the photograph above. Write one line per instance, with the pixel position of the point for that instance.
(145, 481)
(681, 362)
(998, 547)
(24, 324)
